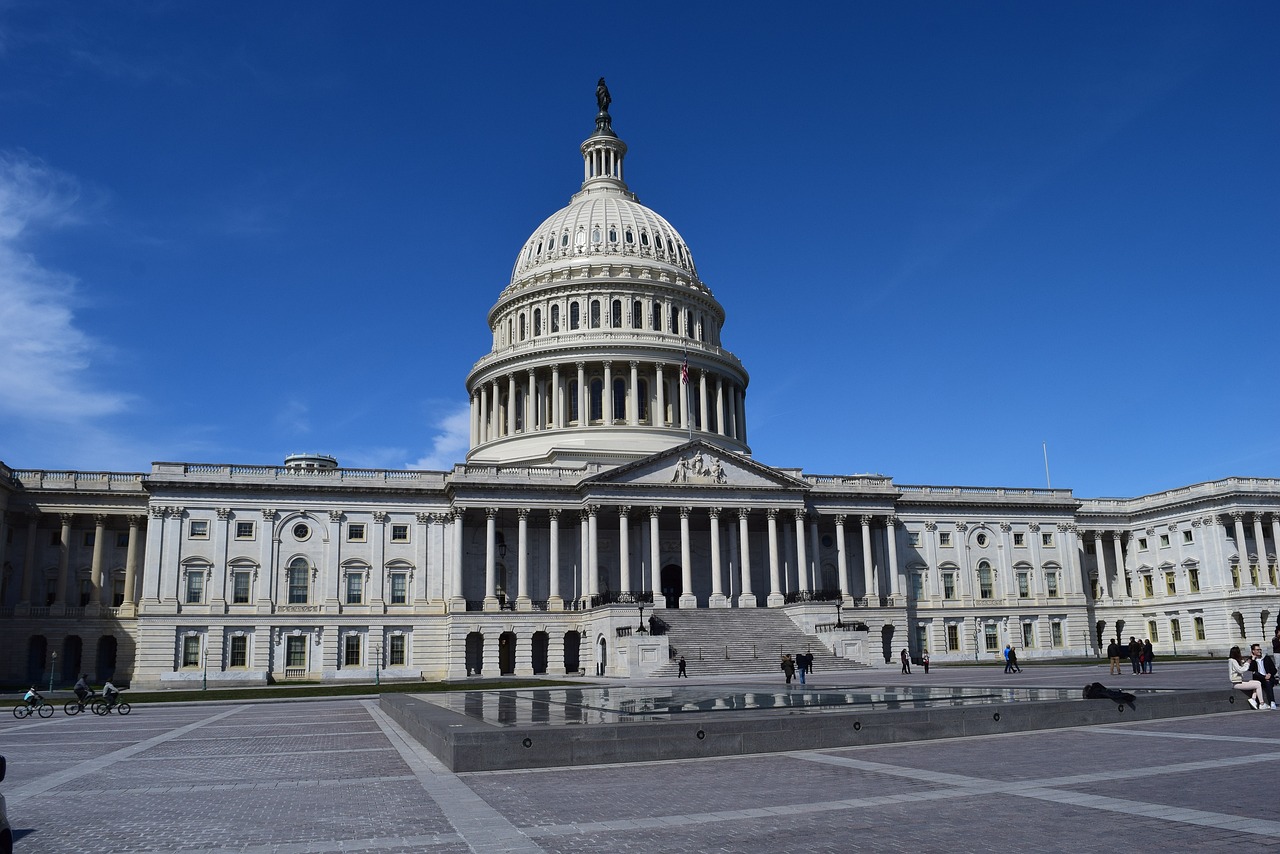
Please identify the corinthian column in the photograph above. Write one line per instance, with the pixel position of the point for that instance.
(624, 548)
(717, 599)
(776, 599)
(802, 559)
(746, 599)
(842, 559)
(687, 597)
(490, 559)
(868, 568)
(555, 602)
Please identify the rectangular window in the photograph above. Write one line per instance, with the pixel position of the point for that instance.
(297, 585)
(1055, 632)
(239, 651)
(1089, 549)
(355, 588)
(1020, 539)
(953, 637)
(1193, 579)
(1046, 540)
(922, 637)
(913, 539)
(1153, 633)
(244, 530)
(122, 540)
(1164, 541)
(399, 588)
(295, 654)
(395, 649)
(191, 651)
(117, 592)
(1175, 630)
(355, 532)
(1028, 635)
(89, 539)
(917, 586)
(351, 651)
(195, 587)
(1051, 584)
(948, 585)
(985, 588)
(198, 529)
(240, 588)
(1024, 585)
(1148, 586)
(1188, 537)
(1142, 544)
(1199, 627)
(399, 533)
(1170, 584)
(944, 538)
(991, 637)
(55, 538)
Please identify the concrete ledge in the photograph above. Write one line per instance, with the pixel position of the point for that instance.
(466, 744)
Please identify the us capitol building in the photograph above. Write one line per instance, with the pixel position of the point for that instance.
(608, 516)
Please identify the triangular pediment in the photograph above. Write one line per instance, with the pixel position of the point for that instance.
(698, 464)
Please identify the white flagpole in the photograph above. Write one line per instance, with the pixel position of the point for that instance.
(1048, 483)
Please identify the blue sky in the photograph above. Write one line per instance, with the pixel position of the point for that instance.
(944, 233)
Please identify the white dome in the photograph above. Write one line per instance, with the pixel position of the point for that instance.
(597, 225)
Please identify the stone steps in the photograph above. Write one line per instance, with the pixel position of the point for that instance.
(731, 641)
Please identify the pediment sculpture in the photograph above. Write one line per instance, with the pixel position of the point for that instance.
(699, 469)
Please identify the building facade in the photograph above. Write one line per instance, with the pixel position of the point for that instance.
(608, 471)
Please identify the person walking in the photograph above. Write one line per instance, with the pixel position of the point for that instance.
(1135, 654)
(1008, 665)
(788, 668)
(1013, 661)
(906, 661)
(682, 672)
(1148, 654)
(802, 666)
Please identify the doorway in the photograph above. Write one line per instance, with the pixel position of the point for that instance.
(672, 580)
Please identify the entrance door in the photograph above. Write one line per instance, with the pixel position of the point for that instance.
(507, 653)
(672, 585)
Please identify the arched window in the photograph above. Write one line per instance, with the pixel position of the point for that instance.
(595, 235)
(575, 319)
(657, 317)
(299, 582)
(511, 332)
(595, 314)
(644, 239)
(615, 314)
(637, 314)
(630, 237)
(539, 252)
(613, 234)
(619, 399)
(522, 327)
(537, 322)
(688, 323)
(597, 401)
(702, 330)
(580, 239)
(555, 318)
(673, 316)
(986, 589)
(564, 240)
(519, 409)
(642, 388)
(573, 401)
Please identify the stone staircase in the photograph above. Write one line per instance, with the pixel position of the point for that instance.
(728, 641)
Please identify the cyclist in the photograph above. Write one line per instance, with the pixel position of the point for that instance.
(110, 692)
(32, 698)
(82, 689)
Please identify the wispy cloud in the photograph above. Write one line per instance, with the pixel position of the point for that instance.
(294, 417)
(450, 443)
(46, 356)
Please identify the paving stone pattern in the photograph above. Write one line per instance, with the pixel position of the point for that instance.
(338, 775)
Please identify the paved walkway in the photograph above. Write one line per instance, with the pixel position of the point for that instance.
(338, 775)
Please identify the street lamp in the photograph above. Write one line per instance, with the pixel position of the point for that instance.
(641, 630)
(377, 673)
(204, 660)
(53, 668)
(839, 605)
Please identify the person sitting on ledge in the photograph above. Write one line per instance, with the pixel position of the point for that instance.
(1242, 679)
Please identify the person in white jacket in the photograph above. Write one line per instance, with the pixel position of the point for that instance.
(1243, 679)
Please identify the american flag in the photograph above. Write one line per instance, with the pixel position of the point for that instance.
(684, 371)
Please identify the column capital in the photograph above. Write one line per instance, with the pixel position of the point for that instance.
(136, 520)
(634, 364)
(100, 518)
(800, 515)
(67, 518)
(592, 510)
(426, 518)
(839, 518)
(1005, 527)
(522, 513)
(685, 512)
(866, 519)
(771, 513)
(269, 514)
(713, 512)
(334, 516)
(624, 510)
(490, 512)
(580, 365)
(380, 516)
(554, 513)
(608, 364)
(655, 511)
(931, 526)
(744, 513)
(1236, 515)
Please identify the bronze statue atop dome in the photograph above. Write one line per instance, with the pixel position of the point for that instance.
(604, 121)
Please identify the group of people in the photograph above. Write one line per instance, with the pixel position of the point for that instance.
(799, 666)
(1255, 675)
(82, 691)
(1141, 654)
(905, 658)
(1011, 659)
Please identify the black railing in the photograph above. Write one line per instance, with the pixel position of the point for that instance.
(636, 597)
(475, 604)
(851, 626)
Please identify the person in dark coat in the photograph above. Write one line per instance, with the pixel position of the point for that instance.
(1135, 654)
(1147, 655)
(682, 671)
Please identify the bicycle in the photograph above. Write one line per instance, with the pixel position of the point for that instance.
(105, 707)
(24, 710)
(76, 706)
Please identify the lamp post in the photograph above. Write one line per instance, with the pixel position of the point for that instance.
(839, 606)
(53, 668)
(641, 630)
(204, 662)
(977, 627)
(377, 673)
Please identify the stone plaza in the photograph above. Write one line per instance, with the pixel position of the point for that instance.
(340, 775)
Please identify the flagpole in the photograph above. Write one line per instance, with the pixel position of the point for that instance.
(1048, 483)
(688, 399)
